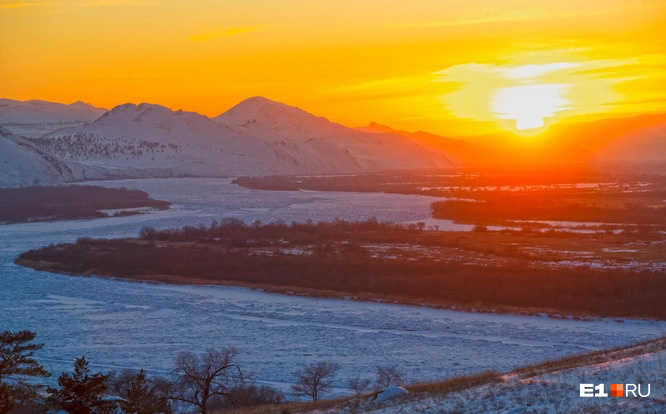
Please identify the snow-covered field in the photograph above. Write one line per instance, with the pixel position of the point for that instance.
(118, 324)
(553, 393)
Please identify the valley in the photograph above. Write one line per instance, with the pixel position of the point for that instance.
(121, 324)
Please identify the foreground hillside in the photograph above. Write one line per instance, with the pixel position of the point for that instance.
(549, 387)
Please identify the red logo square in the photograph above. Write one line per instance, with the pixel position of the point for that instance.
(616, 390)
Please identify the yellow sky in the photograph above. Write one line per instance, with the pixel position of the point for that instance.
(451, 67)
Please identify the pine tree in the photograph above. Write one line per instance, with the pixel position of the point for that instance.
(82, 392)
(139, 398)
(16, 364)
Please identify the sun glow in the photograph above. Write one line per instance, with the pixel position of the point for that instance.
(528, 105)
(455, 68)
(528, 98)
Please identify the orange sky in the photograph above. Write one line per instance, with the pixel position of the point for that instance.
(451, 67)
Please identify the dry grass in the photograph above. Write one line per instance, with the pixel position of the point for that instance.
(591, 358)
(440, 388)
(289, 408)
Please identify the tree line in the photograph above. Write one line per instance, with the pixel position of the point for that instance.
(69, 202)
(201, 382)
(507, 206)
(337, 261)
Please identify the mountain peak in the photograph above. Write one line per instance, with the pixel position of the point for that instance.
(378, 128)
(139, 112)
(138, 107)
(264, 110)
(38, 111)
(260, 103)
(83, 105)
(258, 99)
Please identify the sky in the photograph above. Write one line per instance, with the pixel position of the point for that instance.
(458, 67)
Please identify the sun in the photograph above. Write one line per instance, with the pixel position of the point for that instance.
(528, 105)
(525, 98)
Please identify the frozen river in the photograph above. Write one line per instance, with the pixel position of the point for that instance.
(118, 324)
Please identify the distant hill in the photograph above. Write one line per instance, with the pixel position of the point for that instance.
(457, 150)
(631, 139)
(634, 139)
(263, 137)
(35, 118)
(36, 111)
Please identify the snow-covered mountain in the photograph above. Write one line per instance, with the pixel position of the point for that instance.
(36, 118)
(35, 111)
(312, 144)
(256, 137)
(151, 141)
(22, 165)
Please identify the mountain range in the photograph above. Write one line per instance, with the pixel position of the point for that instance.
(35, 118)
(49, 143)
(630, 139)
(256, 137)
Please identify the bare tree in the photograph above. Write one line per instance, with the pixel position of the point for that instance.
(315, 379)
(358, 385)
(209, 376)
(248, 395)
(388, 375)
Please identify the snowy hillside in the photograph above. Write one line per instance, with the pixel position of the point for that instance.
(36, 118)
(550, 387)
(21, 164)
(35, 111)
(315, 144)
(150, 140)
(256, 137)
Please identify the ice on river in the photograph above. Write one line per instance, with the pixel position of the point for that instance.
(119, 324)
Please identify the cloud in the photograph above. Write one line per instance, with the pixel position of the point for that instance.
(530, 93)
(222, 32)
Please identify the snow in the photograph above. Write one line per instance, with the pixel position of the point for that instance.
(548, 394)
(312, 141)
(33, 119)
(120, 324)
(36, 111)
(257, 137)
(390, 393)
(151, 140)
(21, 164)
